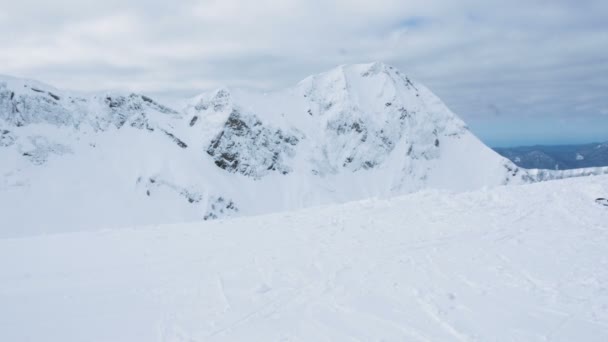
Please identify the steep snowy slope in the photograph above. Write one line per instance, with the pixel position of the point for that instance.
(70, 161)
(519, 263)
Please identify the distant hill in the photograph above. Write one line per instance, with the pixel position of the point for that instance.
(557, 157)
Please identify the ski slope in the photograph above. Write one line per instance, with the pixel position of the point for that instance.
(516, 263)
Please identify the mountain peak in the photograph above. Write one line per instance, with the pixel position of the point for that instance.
(360, 69)
(353, 132)
(26, 86)
(371, 67)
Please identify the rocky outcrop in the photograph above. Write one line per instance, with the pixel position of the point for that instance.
(246, 146)
(220, 207)
(7, 138)
(40, 148)
(122, 108)
(354, 132)
(219, 102)
(33, 105)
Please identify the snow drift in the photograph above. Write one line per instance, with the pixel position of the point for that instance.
(518, 263)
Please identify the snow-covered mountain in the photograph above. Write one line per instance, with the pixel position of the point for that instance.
(70, 160)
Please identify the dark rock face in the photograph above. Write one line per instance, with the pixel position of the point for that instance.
(123, 108)
(141, 121)
(248, 147)
(364, 143)
(193, 121)
(34, 106)
(7, 138)
(152, 184)
(41, 149)
(175, 139)
(602, 201)
(512, 171)
(220, 207)
(213, 207)
(37, 105)
(23, 109)
(56, 97)
(135, 102)
(219, 102)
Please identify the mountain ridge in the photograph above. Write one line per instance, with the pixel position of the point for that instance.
(560, 157)
(118, 159)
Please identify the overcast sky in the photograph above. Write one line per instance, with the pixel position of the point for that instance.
(517, 71)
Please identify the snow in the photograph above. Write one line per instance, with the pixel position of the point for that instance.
(73, 162)
(103, 197)
(516, 263)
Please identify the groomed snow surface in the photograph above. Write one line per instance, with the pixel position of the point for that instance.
(517, 263)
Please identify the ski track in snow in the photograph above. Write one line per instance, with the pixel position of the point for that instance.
(518, 263)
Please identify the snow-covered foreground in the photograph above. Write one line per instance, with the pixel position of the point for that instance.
(519, 263)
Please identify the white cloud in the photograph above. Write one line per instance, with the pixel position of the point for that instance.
(528, 58)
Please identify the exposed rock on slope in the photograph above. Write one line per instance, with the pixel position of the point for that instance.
(246, 146)
(353, 132)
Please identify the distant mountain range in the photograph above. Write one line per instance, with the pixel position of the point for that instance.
(561, 157)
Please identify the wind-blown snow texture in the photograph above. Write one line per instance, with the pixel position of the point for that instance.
(518, 263)
(70, 161)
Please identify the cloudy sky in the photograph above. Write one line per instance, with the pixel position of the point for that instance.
(518, 71)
